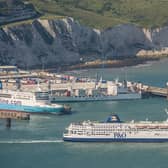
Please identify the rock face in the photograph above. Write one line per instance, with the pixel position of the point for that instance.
(16, 10)
(65, 42)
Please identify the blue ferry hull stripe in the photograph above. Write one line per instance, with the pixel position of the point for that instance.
(31, 109)
(140, 140)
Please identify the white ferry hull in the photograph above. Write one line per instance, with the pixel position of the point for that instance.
(98, 98)
(155, 137)
(26, 102)
(114, 130)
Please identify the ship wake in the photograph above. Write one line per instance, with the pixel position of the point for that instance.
(31, 141)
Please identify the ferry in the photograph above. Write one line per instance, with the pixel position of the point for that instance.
(115, 130)
(32, 102)
(113, 91)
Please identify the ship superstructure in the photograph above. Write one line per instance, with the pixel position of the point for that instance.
(112, 91)
(32, 102)
(114, 130)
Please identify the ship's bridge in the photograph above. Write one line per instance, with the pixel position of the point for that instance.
(113, 119)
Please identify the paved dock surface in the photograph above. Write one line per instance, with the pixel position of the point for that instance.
(158, 91)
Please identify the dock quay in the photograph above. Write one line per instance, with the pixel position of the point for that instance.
(9, 115)
(148, 90)
(17, 76)
(14, 115)
(155, 91)
(12, 78)
(44, 87)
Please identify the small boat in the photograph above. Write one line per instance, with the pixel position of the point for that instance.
(141, 126)
(153, 126)
(163, 126)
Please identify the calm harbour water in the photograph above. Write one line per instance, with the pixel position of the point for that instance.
(38, 142)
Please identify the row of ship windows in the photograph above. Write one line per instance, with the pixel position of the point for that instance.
(109, 129)
(118, 128)
(91, 133)
(16, 97)
(115, 130)
(101, 127)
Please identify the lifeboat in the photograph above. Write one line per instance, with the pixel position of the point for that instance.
(153, 126)
(141, 126)
(163, 126)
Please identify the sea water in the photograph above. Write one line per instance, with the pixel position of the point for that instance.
(38, 143)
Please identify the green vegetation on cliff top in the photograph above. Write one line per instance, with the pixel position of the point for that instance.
(106, 13)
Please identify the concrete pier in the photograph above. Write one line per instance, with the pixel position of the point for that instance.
(9, 115)
(152, 90)
(157, 91)
(14, 115)
(8, 122)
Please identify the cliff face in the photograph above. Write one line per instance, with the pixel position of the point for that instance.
(16, 10)
(66, 42)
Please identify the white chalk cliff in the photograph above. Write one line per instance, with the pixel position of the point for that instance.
(64, 42)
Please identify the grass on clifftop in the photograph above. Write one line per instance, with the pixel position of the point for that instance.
(106, 13)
